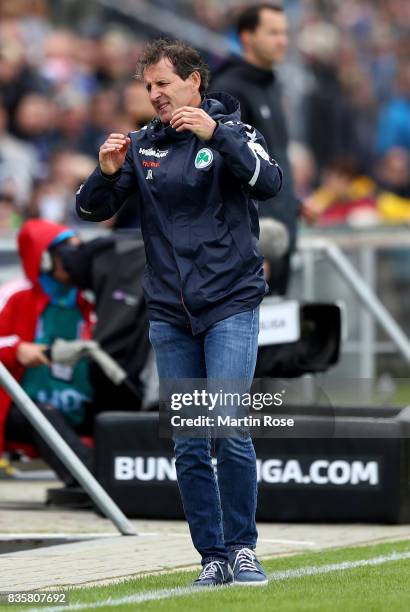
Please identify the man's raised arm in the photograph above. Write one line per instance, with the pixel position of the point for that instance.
(111, 183)
(244, 151)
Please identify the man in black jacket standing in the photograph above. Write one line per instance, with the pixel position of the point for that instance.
(263, 32)
(197, 169)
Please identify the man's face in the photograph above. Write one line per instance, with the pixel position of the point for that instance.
(269, 42)
(167, 91)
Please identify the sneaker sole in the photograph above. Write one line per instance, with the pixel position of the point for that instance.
(253, 584)
(213, 586)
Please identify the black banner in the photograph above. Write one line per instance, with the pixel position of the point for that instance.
(364, 476)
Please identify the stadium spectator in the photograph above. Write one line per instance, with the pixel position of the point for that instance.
(304, 170)
(263, 31)
(360, 89)
(17, 77)
(394, 119)
(71, 120)
(17, 164)
(36, 125)
(327, 111)
(52, 197)
(116, 59)
(57, 65)
(137, 106)
(344, 196)
(33, 312)
(393, 178)
(77, 58)
(103, 117)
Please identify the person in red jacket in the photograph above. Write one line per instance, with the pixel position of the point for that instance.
(35, 310)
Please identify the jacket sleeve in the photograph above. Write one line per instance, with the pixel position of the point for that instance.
(244, 151)
(9, 341)
(100, 197)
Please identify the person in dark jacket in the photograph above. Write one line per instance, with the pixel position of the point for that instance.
(263, 32)
(197, 169)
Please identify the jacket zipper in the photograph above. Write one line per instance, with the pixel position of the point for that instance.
(185, 309)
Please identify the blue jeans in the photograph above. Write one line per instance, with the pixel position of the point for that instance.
(220, 513)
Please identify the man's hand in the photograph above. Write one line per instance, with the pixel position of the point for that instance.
(112, 153)
(195, 120)
(31, 355)
(309, 212)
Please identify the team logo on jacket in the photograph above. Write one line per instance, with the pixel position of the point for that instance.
(203, 158)
(153, 152)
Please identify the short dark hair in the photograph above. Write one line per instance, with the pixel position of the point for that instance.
(182, 56)
(249, 19)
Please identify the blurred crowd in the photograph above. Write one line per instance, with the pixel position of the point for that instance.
(346, 86)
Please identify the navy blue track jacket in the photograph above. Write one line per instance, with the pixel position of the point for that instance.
(198, 214)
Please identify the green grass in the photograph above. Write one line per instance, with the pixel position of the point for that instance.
(378, 588)
(401, 395)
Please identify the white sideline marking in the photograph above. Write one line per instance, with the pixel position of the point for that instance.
(299, 542)
(4, 537)
(54, 536)
(181, 591)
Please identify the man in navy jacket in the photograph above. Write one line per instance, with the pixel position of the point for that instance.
(197, 170)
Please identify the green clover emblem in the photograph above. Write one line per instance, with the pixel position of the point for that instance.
(203, 158)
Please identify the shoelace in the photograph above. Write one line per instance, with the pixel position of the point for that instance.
(245, 559)
(210, 570)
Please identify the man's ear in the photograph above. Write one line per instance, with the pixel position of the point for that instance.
(244, 38)
(195, 79)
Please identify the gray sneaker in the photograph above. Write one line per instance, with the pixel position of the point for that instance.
(214, 573)
(246, 568)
